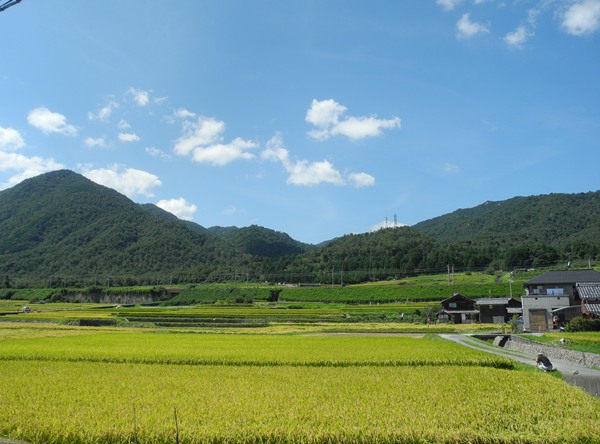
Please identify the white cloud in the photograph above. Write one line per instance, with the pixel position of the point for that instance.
(183, 113)
(49, 122)
(517, 38)
(361, 180)
(303, 172)
(467, 29)
(221, 154)
(179, 207)
(104, 113)
(128, 137)
(448, 5)
(327, 116)
(10, 139)
(123, 124)
(95, 142)
(204, 132)
(26, 167)
(582, 18)
(202, 140)
(128, 181)
(156, 152)
(140, 97)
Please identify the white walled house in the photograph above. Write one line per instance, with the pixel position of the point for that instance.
(553, 298)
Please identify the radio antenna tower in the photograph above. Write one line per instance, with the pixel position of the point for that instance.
(7, 4)
(395, 221)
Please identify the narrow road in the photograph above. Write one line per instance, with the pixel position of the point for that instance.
(575, 374)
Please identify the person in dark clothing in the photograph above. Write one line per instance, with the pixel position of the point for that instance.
(543, 362)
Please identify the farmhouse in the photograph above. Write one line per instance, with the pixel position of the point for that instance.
(458, 309)
(498, 310)
(553, 298)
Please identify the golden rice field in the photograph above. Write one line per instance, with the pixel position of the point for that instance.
(116, 386)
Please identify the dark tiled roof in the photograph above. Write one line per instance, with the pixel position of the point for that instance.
(589, 290)
(565, 277)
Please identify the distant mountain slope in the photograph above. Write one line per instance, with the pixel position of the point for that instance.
(259, 241)
(254, 240)
(62, 224)
(554, 219)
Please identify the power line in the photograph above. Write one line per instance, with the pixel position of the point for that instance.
(7, 4)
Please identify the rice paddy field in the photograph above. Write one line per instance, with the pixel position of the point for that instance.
(72, 384)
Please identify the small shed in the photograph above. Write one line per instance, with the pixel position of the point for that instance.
(458, 309)
(498, 310)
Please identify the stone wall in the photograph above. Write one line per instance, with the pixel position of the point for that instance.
(533, 347)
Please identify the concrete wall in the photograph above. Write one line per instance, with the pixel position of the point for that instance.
(547, 303)
(533, 347)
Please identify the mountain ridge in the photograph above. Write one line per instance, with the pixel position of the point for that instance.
(61, 224)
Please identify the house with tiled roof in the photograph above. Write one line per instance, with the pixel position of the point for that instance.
(589, 293)
(458, 309)
(554, 298)
(497, 310)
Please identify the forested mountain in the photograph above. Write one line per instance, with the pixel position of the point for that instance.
(254, 240)
(61, 228)
(61, 225)
(565, 225)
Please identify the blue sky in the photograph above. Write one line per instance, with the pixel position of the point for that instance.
(315, 118)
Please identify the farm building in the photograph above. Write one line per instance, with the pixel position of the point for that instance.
(553, 298)
(458, 309)
(498, 310)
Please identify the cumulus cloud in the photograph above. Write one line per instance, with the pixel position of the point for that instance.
(103, 114)
(305, 173)
(140, 97)
(328, 117)
(128, 137)
(517, 38)
(448, 5)
(10, 139)
(202, 140)
(182, 113)
(467, 29)
(128, 181)
(93, 142)
(25, 167)
(179, 207)
(361, 180)
(123, 124)
(582, 18)
(49, 122)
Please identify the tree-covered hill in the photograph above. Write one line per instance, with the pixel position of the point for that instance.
(254, 240)
(61, 225)
(568, 224)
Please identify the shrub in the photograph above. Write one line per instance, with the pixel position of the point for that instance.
(583, 324)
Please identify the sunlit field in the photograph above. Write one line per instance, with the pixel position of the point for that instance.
(65, 384)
